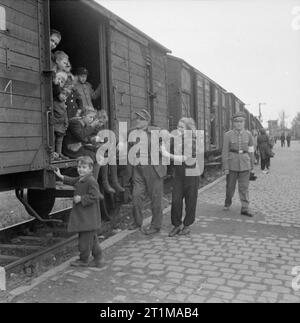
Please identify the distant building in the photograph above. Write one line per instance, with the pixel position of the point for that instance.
(273, 128)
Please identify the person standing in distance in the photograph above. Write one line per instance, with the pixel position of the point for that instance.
(238, 160)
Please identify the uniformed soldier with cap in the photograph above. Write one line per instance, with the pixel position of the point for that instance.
(147, 180)
(238, 161)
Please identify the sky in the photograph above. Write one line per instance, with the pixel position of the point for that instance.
(249, 47)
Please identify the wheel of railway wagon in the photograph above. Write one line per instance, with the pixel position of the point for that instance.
(42, 201)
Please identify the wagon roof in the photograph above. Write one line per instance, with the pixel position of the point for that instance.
(113, 17)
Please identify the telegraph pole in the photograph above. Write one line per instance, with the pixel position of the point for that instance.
(260, 114)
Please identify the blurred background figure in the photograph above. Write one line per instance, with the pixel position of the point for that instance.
(288, 139)
(282, 139)
(265, 148)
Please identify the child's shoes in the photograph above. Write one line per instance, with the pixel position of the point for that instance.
(96, 264)
(79, 263)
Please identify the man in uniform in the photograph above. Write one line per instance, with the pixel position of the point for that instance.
(147, 179)
(238, 160)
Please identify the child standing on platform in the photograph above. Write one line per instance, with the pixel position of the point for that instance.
(85, 218)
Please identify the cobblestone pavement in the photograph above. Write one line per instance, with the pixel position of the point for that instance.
(226, 258)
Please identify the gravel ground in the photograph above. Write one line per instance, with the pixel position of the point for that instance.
(12, 211)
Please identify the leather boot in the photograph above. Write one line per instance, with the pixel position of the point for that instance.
(104, 180)
(96, 175)
(114, 179)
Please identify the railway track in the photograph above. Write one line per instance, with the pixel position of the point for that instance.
(21, 247)
(27, 254)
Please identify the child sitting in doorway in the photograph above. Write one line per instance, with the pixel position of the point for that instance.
(85, 218)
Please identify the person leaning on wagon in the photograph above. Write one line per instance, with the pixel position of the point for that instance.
(238, 160)
(77, 142)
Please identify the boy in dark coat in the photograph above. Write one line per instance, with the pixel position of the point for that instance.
(85, 216)
(74, 101)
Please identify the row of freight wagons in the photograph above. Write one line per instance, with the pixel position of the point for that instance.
(135, 72)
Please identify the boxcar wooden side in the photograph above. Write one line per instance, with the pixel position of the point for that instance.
(138, 71)
(174, 84)
(22, 87)
(182, 91)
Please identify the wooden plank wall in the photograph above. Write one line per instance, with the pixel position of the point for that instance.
(200, 103)
(129, 76)
(20, 105)
(229, 109)
(174, 81)
(160, 87)
(207, 113)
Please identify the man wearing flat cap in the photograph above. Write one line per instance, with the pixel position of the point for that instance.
(85, 89)
(238, 161)
(147, 180)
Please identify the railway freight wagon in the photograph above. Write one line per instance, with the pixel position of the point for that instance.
(230, 105)
(130, 66)
(193, 94)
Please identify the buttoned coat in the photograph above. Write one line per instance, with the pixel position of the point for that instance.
(60, 117)
(78, 135)
(86, 215)
(87, 93)
(234, 161)
(161, 170)
(74, 104)
(264, 146)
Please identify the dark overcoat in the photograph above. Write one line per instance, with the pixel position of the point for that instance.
(77, 138)
(60, 117)
(264, 146)
(74, 104)
(86, 215)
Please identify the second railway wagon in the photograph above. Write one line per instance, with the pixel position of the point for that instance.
(193, 94)
(130, 66)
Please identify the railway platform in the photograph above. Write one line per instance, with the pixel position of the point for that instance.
(226, 258)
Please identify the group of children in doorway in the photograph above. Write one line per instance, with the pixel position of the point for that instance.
(72, 98)
(72, 94)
